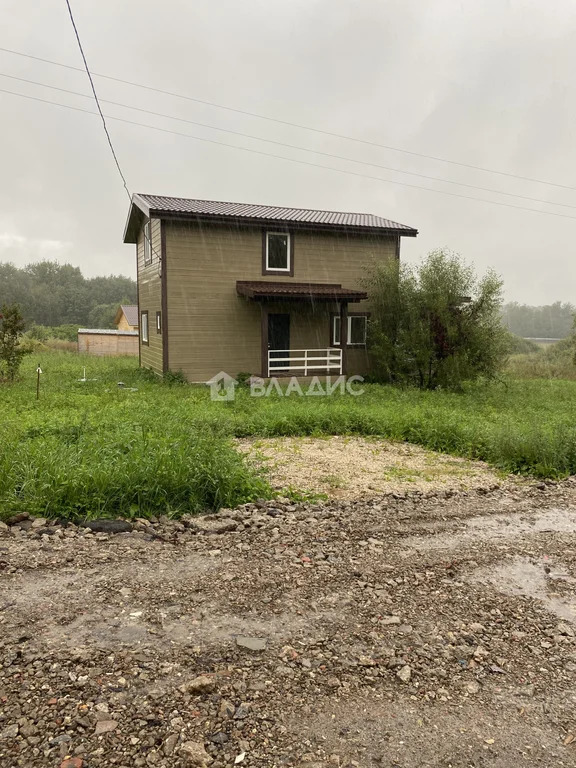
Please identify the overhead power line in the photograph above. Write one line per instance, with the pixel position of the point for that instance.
(300, 126)
(288, 159)
(102, 117)
(291, 146)
(96, 99)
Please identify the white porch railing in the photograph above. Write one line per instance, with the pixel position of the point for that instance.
(302, 361)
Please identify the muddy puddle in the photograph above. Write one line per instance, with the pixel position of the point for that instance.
(494, 528)
(104, 629)
(539, 579)
(83, 610)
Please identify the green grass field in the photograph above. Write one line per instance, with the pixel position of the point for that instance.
(92, 447)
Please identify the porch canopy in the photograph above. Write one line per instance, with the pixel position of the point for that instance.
(263, 291)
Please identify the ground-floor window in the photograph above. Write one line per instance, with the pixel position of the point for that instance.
(158, 322)
(357, 325)
(144, 326)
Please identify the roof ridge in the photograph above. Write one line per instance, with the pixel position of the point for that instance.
(263, 205)
(225, 210)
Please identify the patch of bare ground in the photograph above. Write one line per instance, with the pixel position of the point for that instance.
(357, 467)
(401, 631)
(408, 733)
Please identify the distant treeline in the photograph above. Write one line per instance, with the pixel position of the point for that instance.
(53, 294)
(552, 321)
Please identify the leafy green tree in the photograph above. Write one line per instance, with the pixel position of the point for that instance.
(550, 321)
(520, 346)
(38, 332)
(102, 315)
(45, 332)
(64, 332)
(11, 350)
(53, 294)
(435, 325)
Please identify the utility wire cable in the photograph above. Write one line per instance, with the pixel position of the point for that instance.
(102, 117)
(295, 125)
(292, 146)
(96, 99)
(290, 159)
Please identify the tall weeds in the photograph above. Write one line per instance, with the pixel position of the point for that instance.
(92, 447)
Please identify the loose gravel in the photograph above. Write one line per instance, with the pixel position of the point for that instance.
(406, 630)
(345, 467)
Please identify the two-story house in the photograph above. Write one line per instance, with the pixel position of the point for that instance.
(250, 288)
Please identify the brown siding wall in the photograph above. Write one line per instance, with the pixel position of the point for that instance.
(150, 298)
(212, 329)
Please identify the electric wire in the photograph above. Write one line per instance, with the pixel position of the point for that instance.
(96, 99)
(291, 159)
(102, 116)
(290, 146)
(279, 121)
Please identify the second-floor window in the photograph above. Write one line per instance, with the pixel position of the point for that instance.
(278, 257)
(147, 244)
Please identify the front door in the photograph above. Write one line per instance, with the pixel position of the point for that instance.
(278, 338)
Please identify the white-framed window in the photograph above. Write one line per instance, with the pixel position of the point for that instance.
(147, 244)
(357, 325)
(144, 326)
(278, 257)
(158, 322)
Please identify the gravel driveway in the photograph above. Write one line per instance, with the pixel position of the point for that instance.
(352, 468)
(403, 631)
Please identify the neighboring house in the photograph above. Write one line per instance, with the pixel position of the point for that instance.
(127, 317)
(257, 289)
(107, 343)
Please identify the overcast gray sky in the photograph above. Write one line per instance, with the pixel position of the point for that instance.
(488, 84)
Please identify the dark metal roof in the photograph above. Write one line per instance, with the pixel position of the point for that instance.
(260, 289)
(157, 205)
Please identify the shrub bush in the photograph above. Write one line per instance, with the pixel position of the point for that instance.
(436, 325)
(12, 351)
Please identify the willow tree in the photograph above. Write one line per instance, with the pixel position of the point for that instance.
(436, 324)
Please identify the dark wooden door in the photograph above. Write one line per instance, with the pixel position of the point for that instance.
(278, 337)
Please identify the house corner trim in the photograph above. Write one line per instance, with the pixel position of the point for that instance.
(164, 297)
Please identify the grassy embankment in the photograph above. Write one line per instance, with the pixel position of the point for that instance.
(95, 448)
(552, 361)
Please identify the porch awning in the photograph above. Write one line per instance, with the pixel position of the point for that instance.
(260, 290)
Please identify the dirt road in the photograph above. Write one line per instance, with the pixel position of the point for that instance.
(401, 632)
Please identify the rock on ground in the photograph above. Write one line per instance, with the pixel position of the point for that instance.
(404, 630)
